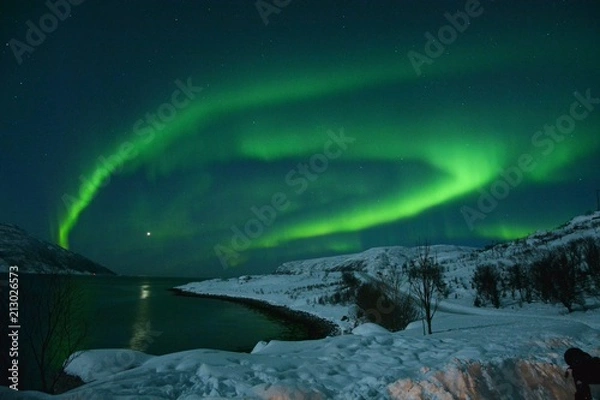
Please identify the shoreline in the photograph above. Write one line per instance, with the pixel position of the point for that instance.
(316, 327)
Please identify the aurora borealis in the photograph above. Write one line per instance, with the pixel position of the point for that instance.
(239, 145)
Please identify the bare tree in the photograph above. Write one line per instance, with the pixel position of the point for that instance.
(56, 326)
(487, 280)
(394, 279)
(426, 279)
(559, 276)
(404, 309)
(591, 257)
(518, 280)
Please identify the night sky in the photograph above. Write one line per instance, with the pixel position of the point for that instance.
(211, 138)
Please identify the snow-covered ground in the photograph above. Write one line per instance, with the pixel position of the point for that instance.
(483, 357)
(475, 353)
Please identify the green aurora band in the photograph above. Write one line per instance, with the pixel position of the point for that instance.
(461, 169)
(196, 116)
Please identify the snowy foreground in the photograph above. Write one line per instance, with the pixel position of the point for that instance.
(483, 357)
(515, 352)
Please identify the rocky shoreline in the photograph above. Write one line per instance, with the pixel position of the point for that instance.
(317, 328)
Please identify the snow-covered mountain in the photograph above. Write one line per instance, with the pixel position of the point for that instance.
(33, 255)
(457, 258)
(306, 284)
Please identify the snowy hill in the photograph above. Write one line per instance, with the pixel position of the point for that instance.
(301, 285)
(515, 352)
(32, 255)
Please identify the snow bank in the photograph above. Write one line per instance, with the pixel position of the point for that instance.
(91, 365)
(501, 358)
(368, 329)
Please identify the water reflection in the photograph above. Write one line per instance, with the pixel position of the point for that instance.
(145, 292)
(142, 333)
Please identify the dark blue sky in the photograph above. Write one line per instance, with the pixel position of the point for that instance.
(191, 138)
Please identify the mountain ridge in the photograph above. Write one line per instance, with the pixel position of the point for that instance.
(312, 285)
(32, 255)
(374, 258)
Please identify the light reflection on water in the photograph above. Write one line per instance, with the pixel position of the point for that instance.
(145, 291)
(142, 333)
